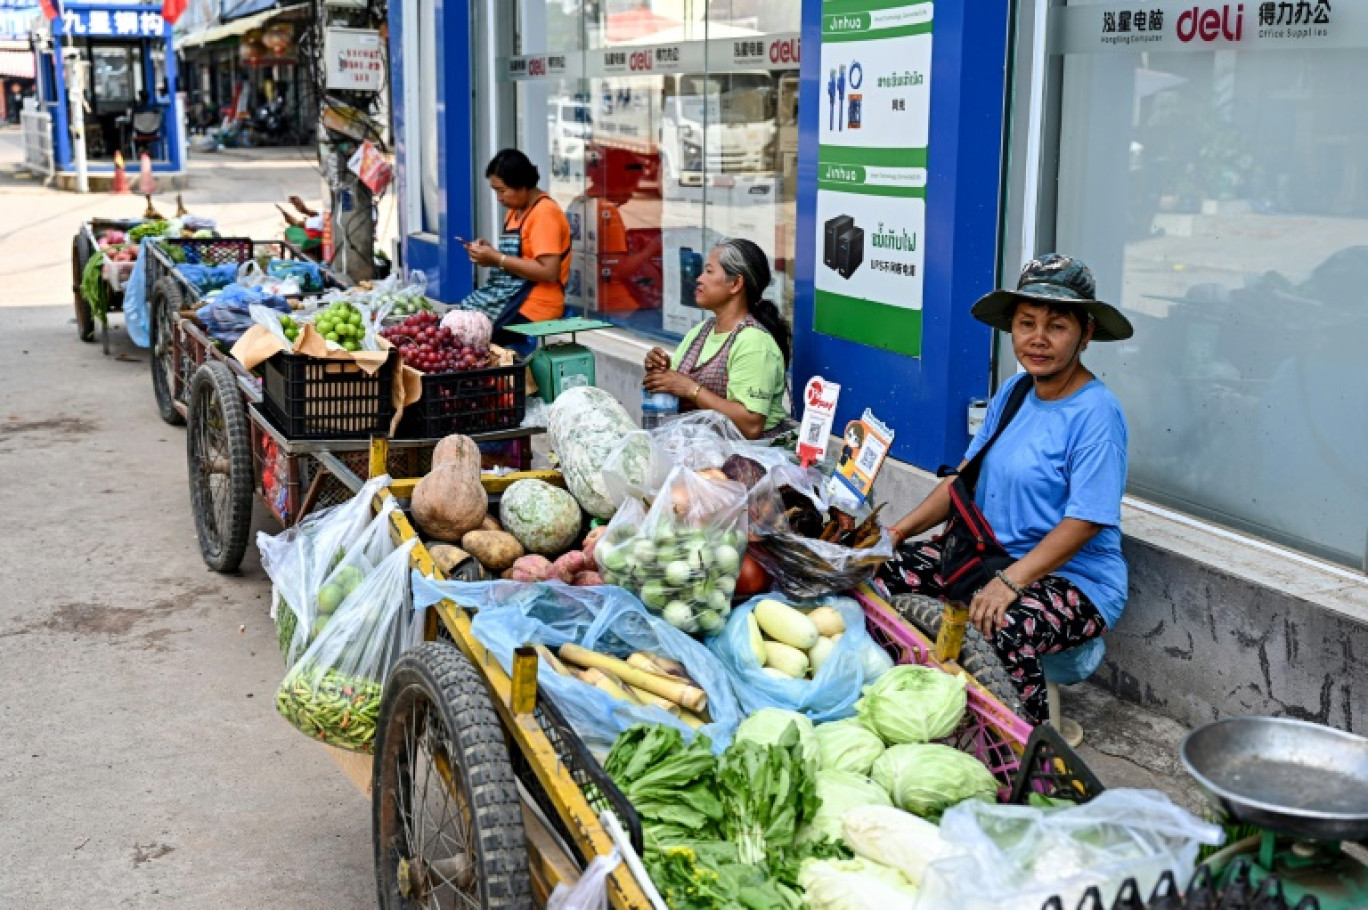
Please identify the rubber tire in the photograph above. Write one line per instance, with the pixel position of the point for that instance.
(214, 388)
(80, 255)
(440, 673)
(166, 296)
(977, 656)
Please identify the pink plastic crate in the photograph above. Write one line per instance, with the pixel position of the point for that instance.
(990, 732)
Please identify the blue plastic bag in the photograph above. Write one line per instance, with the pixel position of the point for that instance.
(136, 320)
(208, 278)
(303, 271)
(830, 695)
(227, 315)
(604, 619)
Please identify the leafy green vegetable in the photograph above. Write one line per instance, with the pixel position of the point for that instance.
(93, 290)
(671, 785)
(707, 876)
(913, 704)
(839, 792)
(147, 229)
(767, 794)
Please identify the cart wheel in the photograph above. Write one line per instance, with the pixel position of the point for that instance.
(977, 655)
(80, 255)
(218, 447)
(445, 812)
(166, 302)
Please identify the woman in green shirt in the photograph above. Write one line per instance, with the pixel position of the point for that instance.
(734, 363)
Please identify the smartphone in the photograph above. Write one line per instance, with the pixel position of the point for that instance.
(462, 241)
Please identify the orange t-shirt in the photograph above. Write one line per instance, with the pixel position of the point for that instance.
(544, 230)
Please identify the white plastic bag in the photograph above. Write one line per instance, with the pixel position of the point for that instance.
(1007, 857)
(333, 693)
(591, 891)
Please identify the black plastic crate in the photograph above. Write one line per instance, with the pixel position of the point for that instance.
(312, 398)
(1049, 768)
(474, 401)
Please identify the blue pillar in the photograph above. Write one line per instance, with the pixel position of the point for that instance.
(171, 122)
(61, 124)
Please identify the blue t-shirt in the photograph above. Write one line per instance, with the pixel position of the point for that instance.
(1056, 460)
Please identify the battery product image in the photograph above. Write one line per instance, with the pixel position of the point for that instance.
(843, 245)
(849, 252)
(834, 228)
(856, 105)
(690, 268)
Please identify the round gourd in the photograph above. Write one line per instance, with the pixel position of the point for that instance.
(544, 519)
(450, 500)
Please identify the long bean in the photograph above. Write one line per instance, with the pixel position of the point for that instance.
(330, 706)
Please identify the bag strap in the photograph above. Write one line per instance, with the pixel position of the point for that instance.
(969, 475)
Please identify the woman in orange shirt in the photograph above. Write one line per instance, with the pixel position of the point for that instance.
(531, 263)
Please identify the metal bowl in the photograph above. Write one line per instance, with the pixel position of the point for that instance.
(1289, 776)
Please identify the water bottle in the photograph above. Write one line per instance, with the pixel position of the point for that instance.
(657, 408)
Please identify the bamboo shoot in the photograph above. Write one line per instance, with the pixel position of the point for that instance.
(675, 690)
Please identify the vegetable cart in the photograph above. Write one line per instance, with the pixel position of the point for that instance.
(84, 245)
(172, 297)
(483, 796)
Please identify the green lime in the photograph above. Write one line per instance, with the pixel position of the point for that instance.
(331, 336)
(351, 345)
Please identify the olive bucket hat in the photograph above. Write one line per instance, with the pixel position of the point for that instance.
(1054, 279)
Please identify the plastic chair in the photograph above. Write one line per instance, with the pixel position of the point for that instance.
(1065, 669)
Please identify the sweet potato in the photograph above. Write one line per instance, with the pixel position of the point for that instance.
(533, 568)
(570, 565)
(495, 550)
(587, 579)
(591, 542)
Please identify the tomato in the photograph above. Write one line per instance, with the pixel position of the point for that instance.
(753, 579)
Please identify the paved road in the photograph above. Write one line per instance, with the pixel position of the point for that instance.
(141, 761)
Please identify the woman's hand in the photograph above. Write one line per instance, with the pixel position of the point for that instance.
(988, 610)
(658, 359)
(671, 381)
(481, 253)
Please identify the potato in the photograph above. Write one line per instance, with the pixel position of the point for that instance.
(495, 550)
(587, 580)
(490, 523)
(447, 557)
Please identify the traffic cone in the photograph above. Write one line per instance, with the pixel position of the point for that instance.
(120, 184)
(145, 184)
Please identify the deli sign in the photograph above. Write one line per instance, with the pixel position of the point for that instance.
(1212, 24)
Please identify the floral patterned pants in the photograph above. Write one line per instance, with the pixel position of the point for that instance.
(1052, 615)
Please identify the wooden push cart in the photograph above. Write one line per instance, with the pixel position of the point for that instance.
(482, 795)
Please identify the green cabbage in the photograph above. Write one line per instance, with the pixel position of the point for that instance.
(927, 778)
(839, 792)
(768, 724)
(848, 745)
(913, 704)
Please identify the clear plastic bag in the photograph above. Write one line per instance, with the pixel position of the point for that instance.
(682, 557)
(591, 891)
(830, 694)
(802, 566)
(1005, 857)
(603, 619)
(299, 560)
(635, 468)
(333, 693)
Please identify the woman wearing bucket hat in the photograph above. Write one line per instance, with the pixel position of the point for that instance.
(1050, 486)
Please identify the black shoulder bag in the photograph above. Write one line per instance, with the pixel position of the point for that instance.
(970, 553)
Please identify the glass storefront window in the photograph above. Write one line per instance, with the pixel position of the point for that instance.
(1221, 197)
(662, 128)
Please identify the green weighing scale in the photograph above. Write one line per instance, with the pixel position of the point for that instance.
(564, 364)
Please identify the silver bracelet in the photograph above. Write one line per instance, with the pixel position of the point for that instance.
(1002, 577)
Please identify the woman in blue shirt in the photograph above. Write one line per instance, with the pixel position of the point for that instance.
(1050, 486)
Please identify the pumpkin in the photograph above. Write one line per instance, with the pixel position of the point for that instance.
(544, 519)
(450, 500)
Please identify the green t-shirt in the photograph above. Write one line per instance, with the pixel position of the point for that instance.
(755, 369)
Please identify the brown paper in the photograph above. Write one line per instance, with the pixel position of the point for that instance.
(259, 343)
